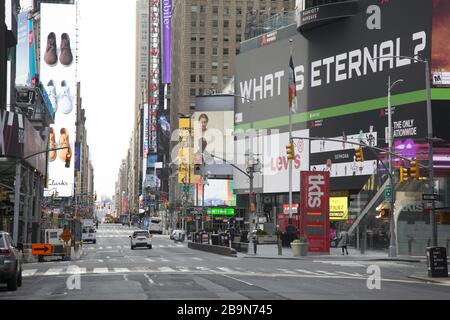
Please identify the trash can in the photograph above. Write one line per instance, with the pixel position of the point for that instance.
(437, 262)
(204, 237)
(225, 240)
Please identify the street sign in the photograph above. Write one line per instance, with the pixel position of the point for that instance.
(41, 249)
(66, 235)
(430, 197)
(388, 193)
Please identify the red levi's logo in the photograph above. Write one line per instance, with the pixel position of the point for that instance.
(282, 163)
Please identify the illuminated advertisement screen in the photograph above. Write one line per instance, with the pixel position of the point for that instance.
(338, 208)
(218, 192)
(58, 45)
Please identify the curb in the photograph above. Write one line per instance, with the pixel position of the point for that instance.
(329, 258)
(432, 280)
(225, 251)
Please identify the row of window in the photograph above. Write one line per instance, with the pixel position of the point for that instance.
(214, 65)
(215, 51)
(201, 78)
(215, 38)
(215, 10)
(215, 23)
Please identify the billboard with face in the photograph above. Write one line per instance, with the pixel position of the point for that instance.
(58, 65)
(218, 192)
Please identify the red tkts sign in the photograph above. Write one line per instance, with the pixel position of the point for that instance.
(315, 207)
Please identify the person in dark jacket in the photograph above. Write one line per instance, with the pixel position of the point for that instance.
(343, 241)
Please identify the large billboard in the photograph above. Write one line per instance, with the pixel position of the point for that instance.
(58, 74)
(166, 40)
(23, 77)
(341, 71)
(440, 63)
(218, 192)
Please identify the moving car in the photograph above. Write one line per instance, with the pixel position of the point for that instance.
(178, 235)
(10, 263)
(156, 225)
(89, 235)
(141, 238)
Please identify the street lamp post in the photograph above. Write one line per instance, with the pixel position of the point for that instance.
(430, 139)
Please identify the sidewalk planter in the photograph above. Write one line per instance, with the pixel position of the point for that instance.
(299, 249)
(267, 239)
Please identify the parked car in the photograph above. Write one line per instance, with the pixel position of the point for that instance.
(89, 234)
(141, 238)
(10, 262)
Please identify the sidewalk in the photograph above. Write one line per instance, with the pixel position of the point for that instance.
(271, 252)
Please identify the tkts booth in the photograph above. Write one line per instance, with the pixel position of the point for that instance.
(343, 53)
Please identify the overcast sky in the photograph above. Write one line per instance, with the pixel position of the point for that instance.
(106, 73)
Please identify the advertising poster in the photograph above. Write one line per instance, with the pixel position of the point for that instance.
(276, 163)
(338, 208)
(315, 210)
(163, 141)
(167, 40)
(440, 60)
(22, 51)
(58, 45)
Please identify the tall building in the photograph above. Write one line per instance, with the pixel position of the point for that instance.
(206, 39)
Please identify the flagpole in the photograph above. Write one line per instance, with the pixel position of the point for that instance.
(290, 161)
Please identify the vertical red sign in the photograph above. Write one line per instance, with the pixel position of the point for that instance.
(315, 206)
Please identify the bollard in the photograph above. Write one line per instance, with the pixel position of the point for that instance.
(280, 247)
(254, 246)
(410, 243)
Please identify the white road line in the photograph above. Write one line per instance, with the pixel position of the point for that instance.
(306, 271)
(327, 273)
(161, 246)
(165, 269)
(195, 258)
(108, 247)
(149, 260)
(247, 283)
(76, 270)
(225, 269)
(244, 271)
(164, 260)
(119, 247)
(54, 271)
(286, 271)
(101, 270)
(141, 269)
(100, 260)
(203, 269)
(349, 274)
(183, 269)
(100, 248)
(180, 246)
(28, 273)
(149, 279)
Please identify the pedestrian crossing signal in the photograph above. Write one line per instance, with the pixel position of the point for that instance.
(68, 157)
(359, 154)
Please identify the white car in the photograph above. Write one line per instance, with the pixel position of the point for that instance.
(141, 238)
(89, 235)
(178, 235)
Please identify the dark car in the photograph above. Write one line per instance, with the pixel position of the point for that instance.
(10, 263)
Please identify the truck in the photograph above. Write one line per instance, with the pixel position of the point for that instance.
(53, 237)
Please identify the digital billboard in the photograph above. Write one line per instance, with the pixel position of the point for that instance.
(166, 40)
(23, 77)
(218, 192)
(58, 75)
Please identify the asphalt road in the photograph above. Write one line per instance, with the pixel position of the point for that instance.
(110, 270)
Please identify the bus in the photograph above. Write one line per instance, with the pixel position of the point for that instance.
(155, 225)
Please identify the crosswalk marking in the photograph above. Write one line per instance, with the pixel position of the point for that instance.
(164, 260)
(101, 270)
(121, 270)
(162, 246)
(149, 260)
(327, 273)
(286, 271)
(180, 246)
(108, 247)
(195, 258)
(76, 270)
(349, 274)
(306, 271)
(203, 269)
(54, 271)
(183, 269)
(165, 269)
(28, 273)
(224, 269)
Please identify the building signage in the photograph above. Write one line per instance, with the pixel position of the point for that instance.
(315, 208)
(221, 211)
(154, 76)
(338, 208)
(294, 208)
(167, 40)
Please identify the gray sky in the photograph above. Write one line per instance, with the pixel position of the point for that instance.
(106, 73)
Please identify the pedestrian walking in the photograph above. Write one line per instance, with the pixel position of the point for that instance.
(343, 241)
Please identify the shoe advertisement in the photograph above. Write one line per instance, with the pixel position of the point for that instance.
(58, 30)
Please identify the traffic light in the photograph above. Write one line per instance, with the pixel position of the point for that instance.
(290, 151)
(359, 154)
(384, 213)
(403, 174)
(415, 172)
(68, 157)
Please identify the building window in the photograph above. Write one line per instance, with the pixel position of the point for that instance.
(194, 38)
(202, 9)
(202, 23)
(194, 9)
(202, 50)
(215, 10)
(201, 65)
(193, 50)
(238, 23)
(239, 11)
(226, 11)
(215, 38)
(192, 92)
(214, 65)
(226, 66)
(193, 65)
(214, 79)
(214, 51)
(226, 23)
(226, 38)
(238, 38)
(226, 51)
(193, 23)
(201, 78)
(193, 78)
(215, 24)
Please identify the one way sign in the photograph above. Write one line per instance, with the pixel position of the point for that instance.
(41, 249)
